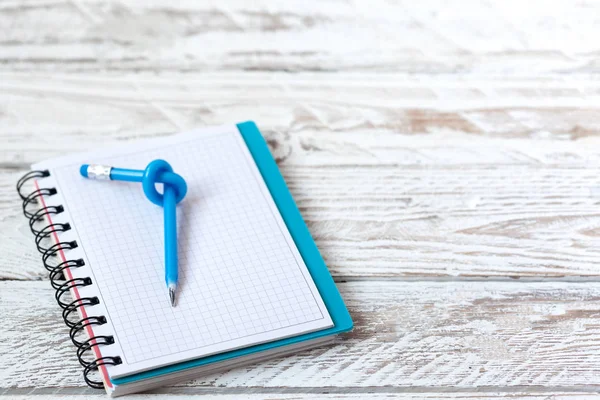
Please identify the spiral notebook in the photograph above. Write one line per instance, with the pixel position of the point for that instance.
(252, 283)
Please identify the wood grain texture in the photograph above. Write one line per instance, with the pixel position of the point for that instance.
(470, 222)
(312, 119)
(199, 393)
(408, 335)
(423, 142)
(396, 176)
(424, 37)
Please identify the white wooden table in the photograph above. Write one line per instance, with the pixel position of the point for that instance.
(446, 160)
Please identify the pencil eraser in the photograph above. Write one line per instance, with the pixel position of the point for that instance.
(83, 170)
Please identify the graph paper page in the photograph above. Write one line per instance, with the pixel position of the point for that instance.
(242, 280)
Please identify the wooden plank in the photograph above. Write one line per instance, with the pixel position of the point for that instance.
(311, 119)
(396, 176)
(429, 37)
(469, 221)
(421, 336)
(195, 393)
(20, 259)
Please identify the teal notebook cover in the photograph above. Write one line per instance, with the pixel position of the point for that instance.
(342, 322)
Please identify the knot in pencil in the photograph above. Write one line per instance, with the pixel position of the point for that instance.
(160, 171)
(174, 190)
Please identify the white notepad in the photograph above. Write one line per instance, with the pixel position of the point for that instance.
(242, 280)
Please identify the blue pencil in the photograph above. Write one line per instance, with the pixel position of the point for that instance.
(174, 190)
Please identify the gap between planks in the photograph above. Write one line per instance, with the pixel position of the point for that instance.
(478, 179)
(516, 222)
(306, 393)
(491, 38)
(407, 337)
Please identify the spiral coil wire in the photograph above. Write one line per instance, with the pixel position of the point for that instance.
(37, 215)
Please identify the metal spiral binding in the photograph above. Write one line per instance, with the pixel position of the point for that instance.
(94, 365)
(47, 231)
(40, 214)
(81, 325)
(74, 305)
(32, 199)
(28, 176)
(57, 278)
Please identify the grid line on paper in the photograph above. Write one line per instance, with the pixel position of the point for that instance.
(321, 314)
(238, 276)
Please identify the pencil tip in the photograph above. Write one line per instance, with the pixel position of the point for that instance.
(172, 296)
